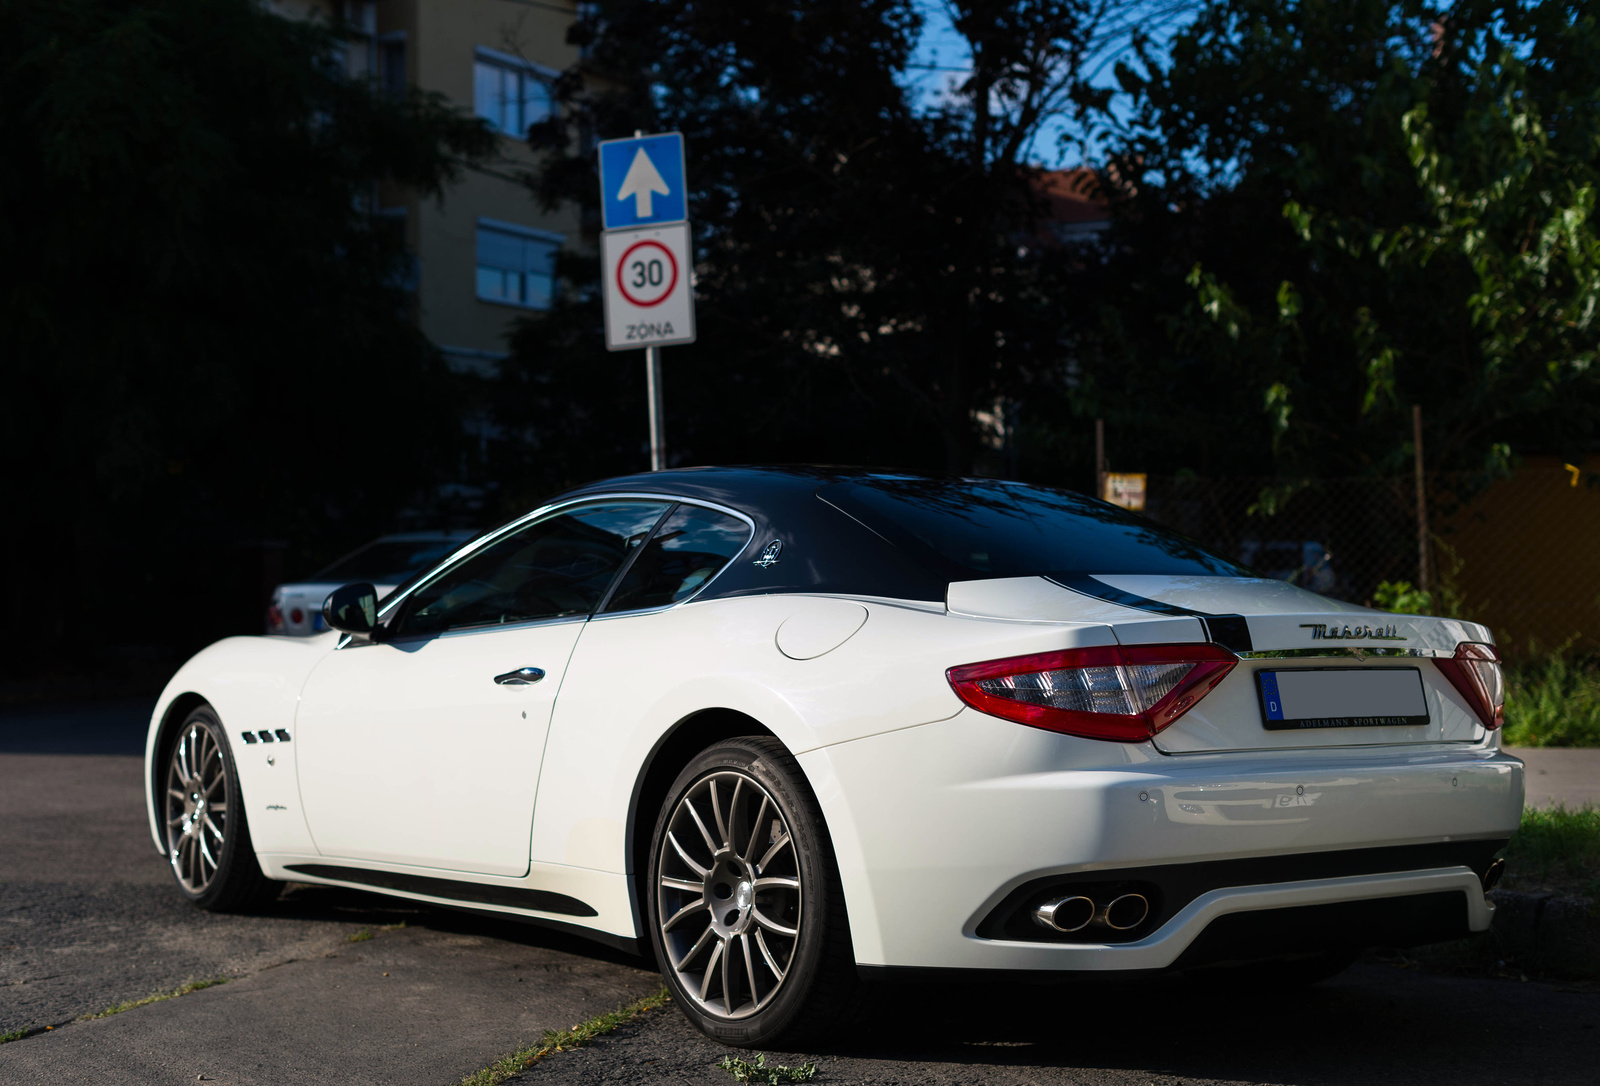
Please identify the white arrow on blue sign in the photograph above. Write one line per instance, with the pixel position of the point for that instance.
(642, 181)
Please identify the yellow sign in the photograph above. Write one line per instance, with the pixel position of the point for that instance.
(1125, 489)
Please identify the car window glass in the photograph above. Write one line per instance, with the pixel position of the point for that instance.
(389, 561)
(988, 528)
(686, 552)
(558, 565)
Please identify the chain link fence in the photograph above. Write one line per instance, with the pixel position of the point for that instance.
(1518, 554)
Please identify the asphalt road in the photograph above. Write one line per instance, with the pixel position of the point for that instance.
(1556, 775)
(88, 919)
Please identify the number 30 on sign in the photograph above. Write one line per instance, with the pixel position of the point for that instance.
(648, 298)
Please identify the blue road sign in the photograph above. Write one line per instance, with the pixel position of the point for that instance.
(641, 181)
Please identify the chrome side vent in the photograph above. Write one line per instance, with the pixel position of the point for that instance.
(250, 738)
(283, 735)
(266, 736)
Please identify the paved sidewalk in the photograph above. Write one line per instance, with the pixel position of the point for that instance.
(1561, 775)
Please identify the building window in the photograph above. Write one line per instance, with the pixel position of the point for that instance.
(516, 266)
(406, 273)
(392, 78)
(509, 93)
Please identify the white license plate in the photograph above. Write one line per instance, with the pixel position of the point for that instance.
(1341, 697)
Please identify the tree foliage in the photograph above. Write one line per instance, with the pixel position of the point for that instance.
(1344, 207)
(871, 281)
(202, 324)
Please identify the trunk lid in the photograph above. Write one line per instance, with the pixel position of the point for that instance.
(1273, 627)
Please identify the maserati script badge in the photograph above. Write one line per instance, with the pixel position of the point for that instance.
(1321, 631)
(769, 555)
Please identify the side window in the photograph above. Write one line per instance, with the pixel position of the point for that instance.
(685, 553)
(558, 565)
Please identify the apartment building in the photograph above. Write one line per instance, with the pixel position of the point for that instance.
(484, 254)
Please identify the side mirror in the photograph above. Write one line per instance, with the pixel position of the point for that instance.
(352, 608)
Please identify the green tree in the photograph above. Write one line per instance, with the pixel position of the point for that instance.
(205, 332)
(872, 279)
(1338, 208)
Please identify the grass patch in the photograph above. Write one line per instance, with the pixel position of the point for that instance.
(579, 1036)
(1553, 700)
(181, 990)
(14, 1035)
(745, 1071)
(361, 936)
(1556, 848)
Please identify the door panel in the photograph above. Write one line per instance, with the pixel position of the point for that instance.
(411, 753)
(424, 746)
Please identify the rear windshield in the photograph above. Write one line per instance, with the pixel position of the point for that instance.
(989, 528)
(389, 561)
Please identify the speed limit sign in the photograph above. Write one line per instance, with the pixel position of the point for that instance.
(648, 298)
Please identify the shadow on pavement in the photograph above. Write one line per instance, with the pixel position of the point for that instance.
(1373, 1023)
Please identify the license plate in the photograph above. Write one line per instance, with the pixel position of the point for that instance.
(1341, 697)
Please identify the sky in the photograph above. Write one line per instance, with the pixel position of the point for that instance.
(942, 59)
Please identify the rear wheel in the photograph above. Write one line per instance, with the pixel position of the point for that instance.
(744, 904)
(207, 836)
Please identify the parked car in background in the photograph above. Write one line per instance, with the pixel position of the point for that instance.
(296, 608)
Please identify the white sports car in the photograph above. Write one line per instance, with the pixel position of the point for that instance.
(792, 728)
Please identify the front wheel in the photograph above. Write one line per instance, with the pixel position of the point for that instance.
(207, 836)
(745, 908)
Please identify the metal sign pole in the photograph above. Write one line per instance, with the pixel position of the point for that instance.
(658, 429)
(1424, 573)
(646, 258)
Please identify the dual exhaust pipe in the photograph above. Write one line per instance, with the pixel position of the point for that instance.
(1076, 912)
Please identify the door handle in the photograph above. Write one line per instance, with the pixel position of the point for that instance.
(523, 676)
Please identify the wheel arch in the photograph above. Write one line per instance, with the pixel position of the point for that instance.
(675, 749)
(178, 709)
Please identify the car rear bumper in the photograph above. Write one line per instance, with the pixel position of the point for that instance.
(949, 828)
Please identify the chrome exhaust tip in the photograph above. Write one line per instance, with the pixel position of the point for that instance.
(1065, 914)
(1491, 877)
(1124, 913)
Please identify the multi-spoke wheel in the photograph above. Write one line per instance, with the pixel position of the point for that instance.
(197, 806)
(746, 912)
(208, 841)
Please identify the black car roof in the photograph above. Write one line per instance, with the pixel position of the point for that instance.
(907, 535)
(824, 550)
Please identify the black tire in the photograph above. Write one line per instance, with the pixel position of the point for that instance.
(778, 987)
(209, 851)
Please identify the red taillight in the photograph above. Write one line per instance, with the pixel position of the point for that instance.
(1476, 672)
(1122, 692)
(274, 619)
(297, 616)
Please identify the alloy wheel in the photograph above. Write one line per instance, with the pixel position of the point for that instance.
(728, 900)
(196, 807)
